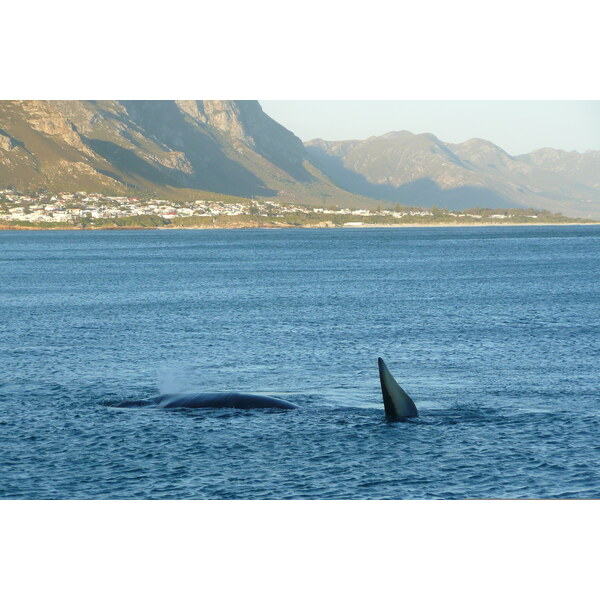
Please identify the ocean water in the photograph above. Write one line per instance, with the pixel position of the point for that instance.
(494, 331)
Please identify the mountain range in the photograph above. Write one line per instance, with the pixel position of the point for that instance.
(422, 170)
(186, 149)
(172, 149)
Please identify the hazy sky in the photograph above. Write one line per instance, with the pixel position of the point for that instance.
(516, 126)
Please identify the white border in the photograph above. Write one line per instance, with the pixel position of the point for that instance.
(324, 50)
(317, 49)
(299, 549)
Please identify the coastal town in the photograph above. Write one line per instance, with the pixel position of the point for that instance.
(88, 209)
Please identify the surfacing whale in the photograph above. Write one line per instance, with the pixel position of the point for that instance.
(397, 403)
(210, 400)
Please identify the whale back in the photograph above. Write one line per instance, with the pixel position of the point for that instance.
(397, 403)
(221, 400)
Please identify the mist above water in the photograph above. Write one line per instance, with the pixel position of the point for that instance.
(173, 379)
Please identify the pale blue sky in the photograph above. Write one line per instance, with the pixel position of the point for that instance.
(516, 126)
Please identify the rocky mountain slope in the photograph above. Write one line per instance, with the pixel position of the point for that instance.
(422, 170)
(181, 148)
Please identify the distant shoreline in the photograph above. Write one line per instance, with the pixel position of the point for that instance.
(286, 226)
(386, 226)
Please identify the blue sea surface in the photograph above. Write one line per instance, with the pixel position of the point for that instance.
(494, 332)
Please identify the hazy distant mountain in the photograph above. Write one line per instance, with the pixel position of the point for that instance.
(169, 148)
(422, 170)
(583, 167)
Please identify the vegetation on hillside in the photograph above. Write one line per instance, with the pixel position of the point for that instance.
(439, 217)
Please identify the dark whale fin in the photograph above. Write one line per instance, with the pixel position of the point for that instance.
(398, 404)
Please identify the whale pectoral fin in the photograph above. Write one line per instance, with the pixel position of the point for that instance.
(398, 404)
